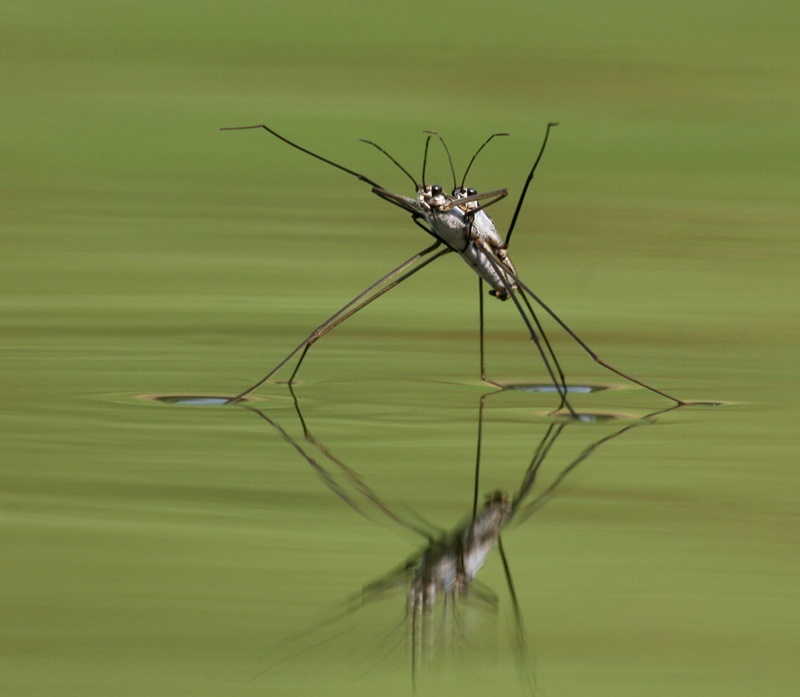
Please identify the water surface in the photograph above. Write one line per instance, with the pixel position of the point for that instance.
(154, 548)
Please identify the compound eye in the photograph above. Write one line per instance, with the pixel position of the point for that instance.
(436, 189)
(471, 192)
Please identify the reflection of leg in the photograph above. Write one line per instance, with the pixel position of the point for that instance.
(359, 484)
(529, 509)
(477, 477)
(326, 477)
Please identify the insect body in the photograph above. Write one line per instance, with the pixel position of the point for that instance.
(463, 226)
(487, 247)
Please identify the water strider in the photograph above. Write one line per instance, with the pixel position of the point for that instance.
(441, 575)
(458, 223)
(483, 233)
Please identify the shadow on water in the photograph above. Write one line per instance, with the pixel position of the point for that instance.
(439, 579)
(546, 388)
(193, 400)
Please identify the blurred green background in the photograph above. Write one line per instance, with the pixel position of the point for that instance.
(156, 550)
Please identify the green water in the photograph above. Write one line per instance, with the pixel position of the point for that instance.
(153, 549)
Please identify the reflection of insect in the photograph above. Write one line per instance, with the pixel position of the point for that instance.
(459, 223)
(444, 571)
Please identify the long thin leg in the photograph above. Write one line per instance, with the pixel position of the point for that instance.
(542, 333)
(562, 377)
(497, 195)
(585, 347)
(343, 315)
(527, 184)
(501, 273)
(552, 353)
(560, 387)
(481, 337)
(372, 293)
(352, 307)
(361, 177)
(538, 300)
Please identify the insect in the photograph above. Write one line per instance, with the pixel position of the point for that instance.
(484, 234)
(442, 574)
(458, 223)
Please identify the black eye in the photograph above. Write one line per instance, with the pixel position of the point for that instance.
(436, 189)
(471, 192)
